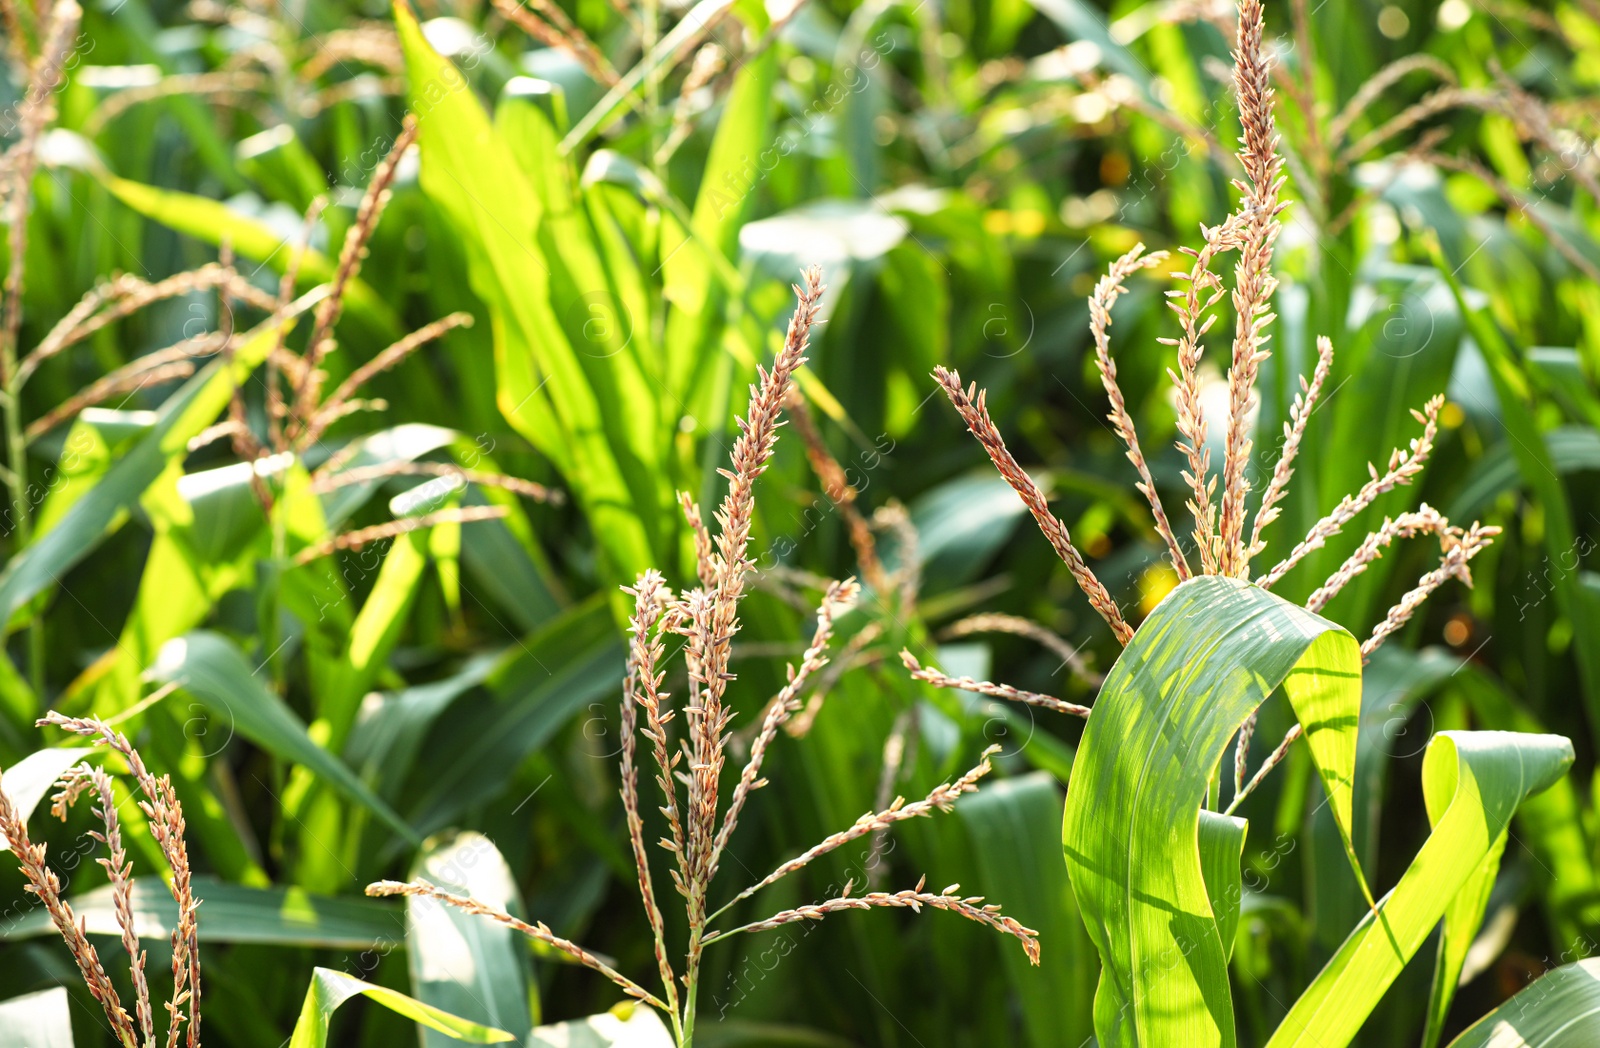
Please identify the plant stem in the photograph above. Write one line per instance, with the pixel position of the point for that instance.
(16, 478)
(690, 992)
(650, 19)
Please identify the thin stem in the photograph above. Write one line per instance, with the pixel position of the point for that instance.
(1070, 654)
(972, 908)
(37, 110)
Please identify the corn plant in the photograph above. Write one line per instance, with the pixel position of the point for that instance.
(344, 691)
(1158, 880)
(162, 815)
(699, 827)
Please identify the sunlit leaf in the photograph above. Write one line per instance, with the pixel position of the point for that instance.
(1472, 782)
(212, 222)
(80, 529)
(36, 1020)
(329, 989)
(1560, 1010)
(210, 668)
(459, 961)
(1209, 654)
(26, 782)
(636, 1027)
(233, 913)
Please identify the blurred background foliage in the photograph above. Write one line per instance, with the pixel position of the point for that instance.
(623, 223)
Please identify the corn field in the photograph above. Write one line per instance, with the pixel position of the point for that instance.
(516, 516)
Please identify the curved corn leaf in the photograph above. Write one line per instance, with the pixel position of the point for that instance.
(1560, 1010)
(1472, 782)
(1207, 656)
(36, 1020)
(26, 782)
(1393, 683)
(1221, 850)
(234, 913)
(211, 668)
(459, 961)
(1550, 825)
(390, 732)
(329, 989)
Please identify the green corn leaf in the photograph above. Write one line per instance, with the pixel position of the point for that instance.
(81, 528)
(390, 733)
(573, 662)
(1208, 655)
(1393, 683)
(1221, 849)
(196, 555)
(329, 989)
(1011, 824)
(1462, 919)
(728, 184)
(513, 573)
(211, 668)
(1560, 372)
(595, 321)
(1560, 1010)
(95, 440)
(742, 340)
(459, 961)
(233, 913)
(1551, 825)
(1533, 458)
(36, 1020)
(212, 222)
(1572, 449)
(374, 634)
(580, 410)
(1472, 782)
